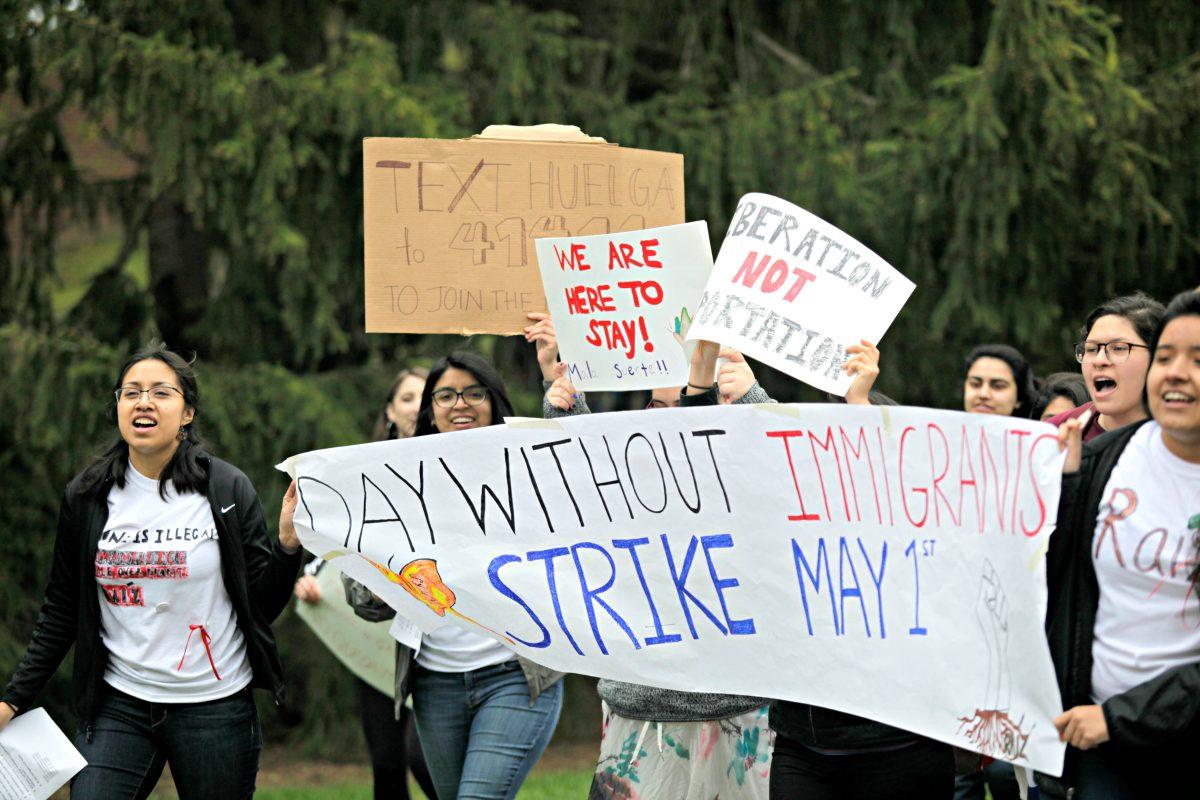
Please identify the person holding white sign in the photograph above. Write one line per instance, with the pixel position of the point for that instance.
(716, 745)
(484, 714)
(166, 583)
(1123, 572)
(819, 752)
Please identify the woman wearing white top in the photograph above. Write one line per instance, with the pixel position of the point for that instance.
(165, 582)
(1123, 620)
(484, 714)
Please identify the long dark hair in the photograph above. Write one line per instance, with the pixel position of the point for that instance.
(484, 372)
(384, 427)
(1022, 373)
(183, 470)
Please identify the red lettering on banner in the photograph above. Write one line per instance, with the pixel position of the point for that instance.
(786, 436)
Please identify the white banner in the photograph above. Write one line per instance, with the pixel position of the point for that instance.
(886, 562)
(793, 291)
(622, 303)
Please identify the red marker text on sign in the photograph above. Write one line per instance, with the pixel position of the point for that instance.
(773, 277)
(573, 260)
(620, 255)
(588, 299)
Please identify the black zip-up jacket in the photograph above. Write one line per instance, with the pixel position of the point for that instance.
(257, 573)
(1163, 713)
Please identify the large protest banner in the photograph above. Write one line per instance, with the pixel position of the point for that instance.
(449, 224)
(793, 291)
(886, 562)
(622, 303)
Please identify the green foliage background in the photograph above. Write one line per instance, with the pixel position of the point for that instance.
(191, 171)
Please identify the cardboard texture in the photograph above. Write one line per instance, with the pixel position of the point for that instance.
(449, 224)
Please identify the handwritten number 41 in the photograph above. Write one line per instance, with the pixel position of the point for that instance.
(925, 551)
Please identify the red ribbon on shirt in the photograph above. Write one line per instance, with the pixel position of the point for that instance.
(206, 639)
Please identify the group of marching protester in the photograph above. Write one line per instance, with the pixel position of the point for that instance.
(170, 640)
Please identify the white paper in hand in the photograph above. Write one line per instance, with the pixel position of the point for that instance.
(35, 758)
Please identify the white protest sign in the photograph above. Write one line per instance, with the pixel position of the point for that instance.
(365, 648)
(622, 303)
(36, 759)
(793, 291)
(885, 562)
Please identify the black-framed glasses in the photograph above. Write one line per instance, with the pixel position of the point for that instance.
(448, 398)
(1118, 352)
(132, 394)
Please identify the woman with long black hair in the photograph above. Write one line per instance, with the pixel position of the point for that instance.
(484, 714)
(166, 583)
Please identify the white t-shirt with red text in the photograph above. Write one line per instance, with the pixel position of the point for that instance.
(164, 610)
(1144, 553)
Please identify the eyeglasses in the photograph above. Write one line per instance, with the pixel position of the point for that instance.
(132, 394)
(448, 398)
(1118, 352)
(662, 404)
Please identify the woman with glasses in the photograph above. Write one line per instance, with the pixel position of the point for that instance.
(1114, 355)
(484, 714)
(165, 581)
(1123, 577)
(387, 725)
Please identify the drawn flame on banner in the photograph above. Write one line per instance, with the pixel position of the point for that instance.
(421, 579)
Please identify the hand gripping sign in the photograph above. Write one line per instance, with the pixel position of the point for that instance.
(793, 291)
(884, 562)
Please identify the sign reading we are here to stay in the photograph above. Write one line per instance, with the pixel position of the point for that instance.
(449, 225)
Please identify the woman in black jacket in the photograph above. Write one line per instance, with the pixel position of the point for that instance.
(164, 580)
(1123, 619)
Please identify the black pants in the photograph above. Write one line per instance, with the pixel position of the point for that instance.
(393, 745)
(922, 770)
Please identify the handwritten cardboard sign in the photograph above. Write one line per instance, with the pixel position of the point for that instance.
(793, 291)
(449, 225)
(622, 303)
(885, 562)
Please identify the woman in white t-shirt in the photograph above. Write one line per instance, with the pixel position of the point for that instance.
(165, 582)
(484, 714)
(1123, 572)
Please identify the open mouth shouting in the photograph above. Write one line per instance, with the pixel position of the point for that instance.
(144, 422)
(1103, 386)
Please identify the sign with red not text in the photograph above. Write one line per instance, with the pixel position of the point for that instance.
(793, 292)
(622, 303)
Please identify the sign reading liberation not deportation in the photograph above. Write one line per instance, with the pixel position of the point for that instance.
(622, 303)
(793, 291)
(885, 562)
(449, 225)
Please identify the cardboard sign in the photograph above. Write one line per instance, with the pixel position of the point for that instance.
(885, 562)
(449, 225)
(793, 291)
(622, 303)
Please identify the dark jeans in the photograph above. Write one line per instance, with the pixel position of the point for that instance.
(922, 770)
(480, 732)
(1000, 778)
(393, 745)
(212, 748)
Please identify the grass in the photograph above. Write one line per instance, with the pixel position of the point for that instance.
(540, 786)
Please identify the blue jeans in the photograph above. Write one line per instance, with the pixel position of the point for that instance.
(480, 732)
(212, 748)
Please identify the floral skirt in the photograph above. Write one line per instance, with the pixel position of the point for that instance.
(726, 758)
